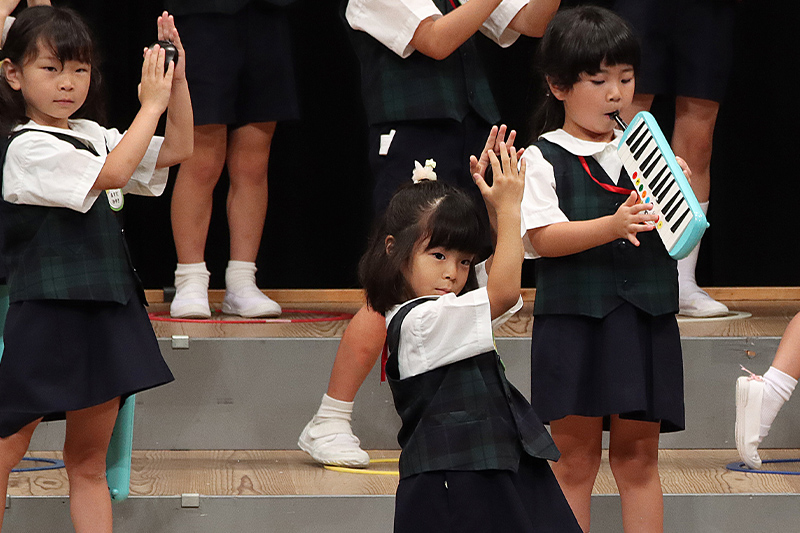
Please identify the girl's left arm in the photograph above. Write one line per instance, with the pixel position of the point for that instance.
(532, 19)
(179, 133)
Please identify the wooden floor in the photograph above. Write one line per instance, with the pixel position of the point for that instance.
(270, 473)
(755, 312)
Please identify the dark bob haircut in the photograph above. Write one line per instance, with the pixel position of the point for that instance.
(580, 40)
(427, 210)
(66, 34)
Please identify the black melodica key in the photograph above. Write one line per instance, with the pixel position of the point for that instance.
(662, 187)
(650, 157)
(675, 225)
(636, 137)
(678, 204)
(656, 182)
(638, 154)
(668, 205)
(649, 169)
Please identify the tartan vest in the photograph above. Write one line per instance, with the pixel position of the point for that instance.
(596, 281)
(420, 87)
(462, 416)
(55, 253)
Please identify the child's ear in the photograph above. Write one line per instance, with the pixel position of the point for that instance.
(388, 244)
(559, 92)
(11, 74)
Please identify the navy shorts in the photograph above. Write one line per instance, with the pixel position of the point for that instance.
(687, 45)
(239, 66)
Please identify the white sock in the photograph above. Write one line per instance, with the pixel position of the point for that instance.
(331, 408)
(778, 387)
(187, 274)
(240, 275)
(687, 266)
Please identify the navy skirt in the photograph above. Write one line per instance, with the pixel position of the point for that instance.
(526, 501)
(628, 364)
(69, 355)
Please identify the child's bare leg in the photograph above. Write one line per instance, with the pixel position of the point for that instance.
(192, 196)
(579, 439)
(85, 448)
(12, 450)
(633, 457)
(328, 437)
(787, 358)
(361, 344)
(248, 162)
(192, 200)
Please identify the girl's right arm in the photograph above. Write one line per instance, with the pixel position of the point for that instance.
(154, 95)
(503, 199)
(566, 238)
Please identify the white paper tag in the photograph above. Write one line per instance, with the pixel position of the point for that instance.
(115, 199)
(386, 142)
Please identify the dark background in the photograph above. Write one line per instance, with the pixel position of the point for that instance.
(319, 214)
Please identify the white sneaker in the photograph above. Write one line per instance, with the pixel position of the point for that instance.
(191, 301)
(699, 304)
(332, 442)
(749, 393)
(250, 303)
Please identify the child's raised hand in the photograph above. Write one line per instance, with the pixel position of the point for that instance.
(154, 90)
(508, 184)
(496, 136)
(630, 219)
(168, 32)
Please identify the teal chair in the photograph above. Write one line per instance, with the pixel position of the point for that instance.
(118, 460)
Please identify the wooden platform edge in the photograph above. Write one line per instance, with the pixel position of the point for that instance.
(356, 296)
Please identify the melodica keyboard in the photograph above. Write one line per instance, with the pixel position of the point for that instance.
(657, 177)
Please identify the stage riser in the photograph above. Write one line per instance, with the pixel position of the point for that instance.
(259, 393)
(722, 513)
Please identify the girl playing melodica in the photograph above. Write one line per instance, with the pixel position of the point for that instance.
(605, 348)
(474, 454)
(77, 339)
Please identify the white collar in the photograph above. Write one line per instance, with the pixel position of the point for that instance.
(581, 147)
(81, 129)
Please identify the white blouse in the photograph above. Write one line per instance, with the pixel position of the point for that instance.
(43, 170)
(540, 199)
(446, 330)
(393, 22)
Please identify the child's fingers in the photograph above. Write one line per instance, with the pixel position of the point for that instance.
(481, 183)
(511, 138)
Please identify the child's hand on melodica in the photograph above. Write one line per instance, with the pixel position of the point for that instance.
(630, 219)
(508, 182)
(154, 90)
(168, 32)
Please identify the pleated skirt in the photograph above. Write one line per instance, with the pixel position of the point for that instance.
(69, 355)
(628, 364)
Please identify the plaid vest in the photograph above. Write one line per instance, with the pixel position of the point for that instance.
(55, 253)
(594, 282)
(463, 416)
(420, 87)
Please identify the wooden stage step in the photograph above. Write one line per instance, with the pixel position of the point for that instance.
(770, 310)
(291, 472)
(284, 492)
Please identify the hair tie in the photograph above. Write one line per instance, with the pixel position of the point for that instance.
(425, 173)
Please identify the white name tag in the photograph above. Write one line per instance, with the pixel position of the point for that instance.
(386, 142)
(115, 199)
